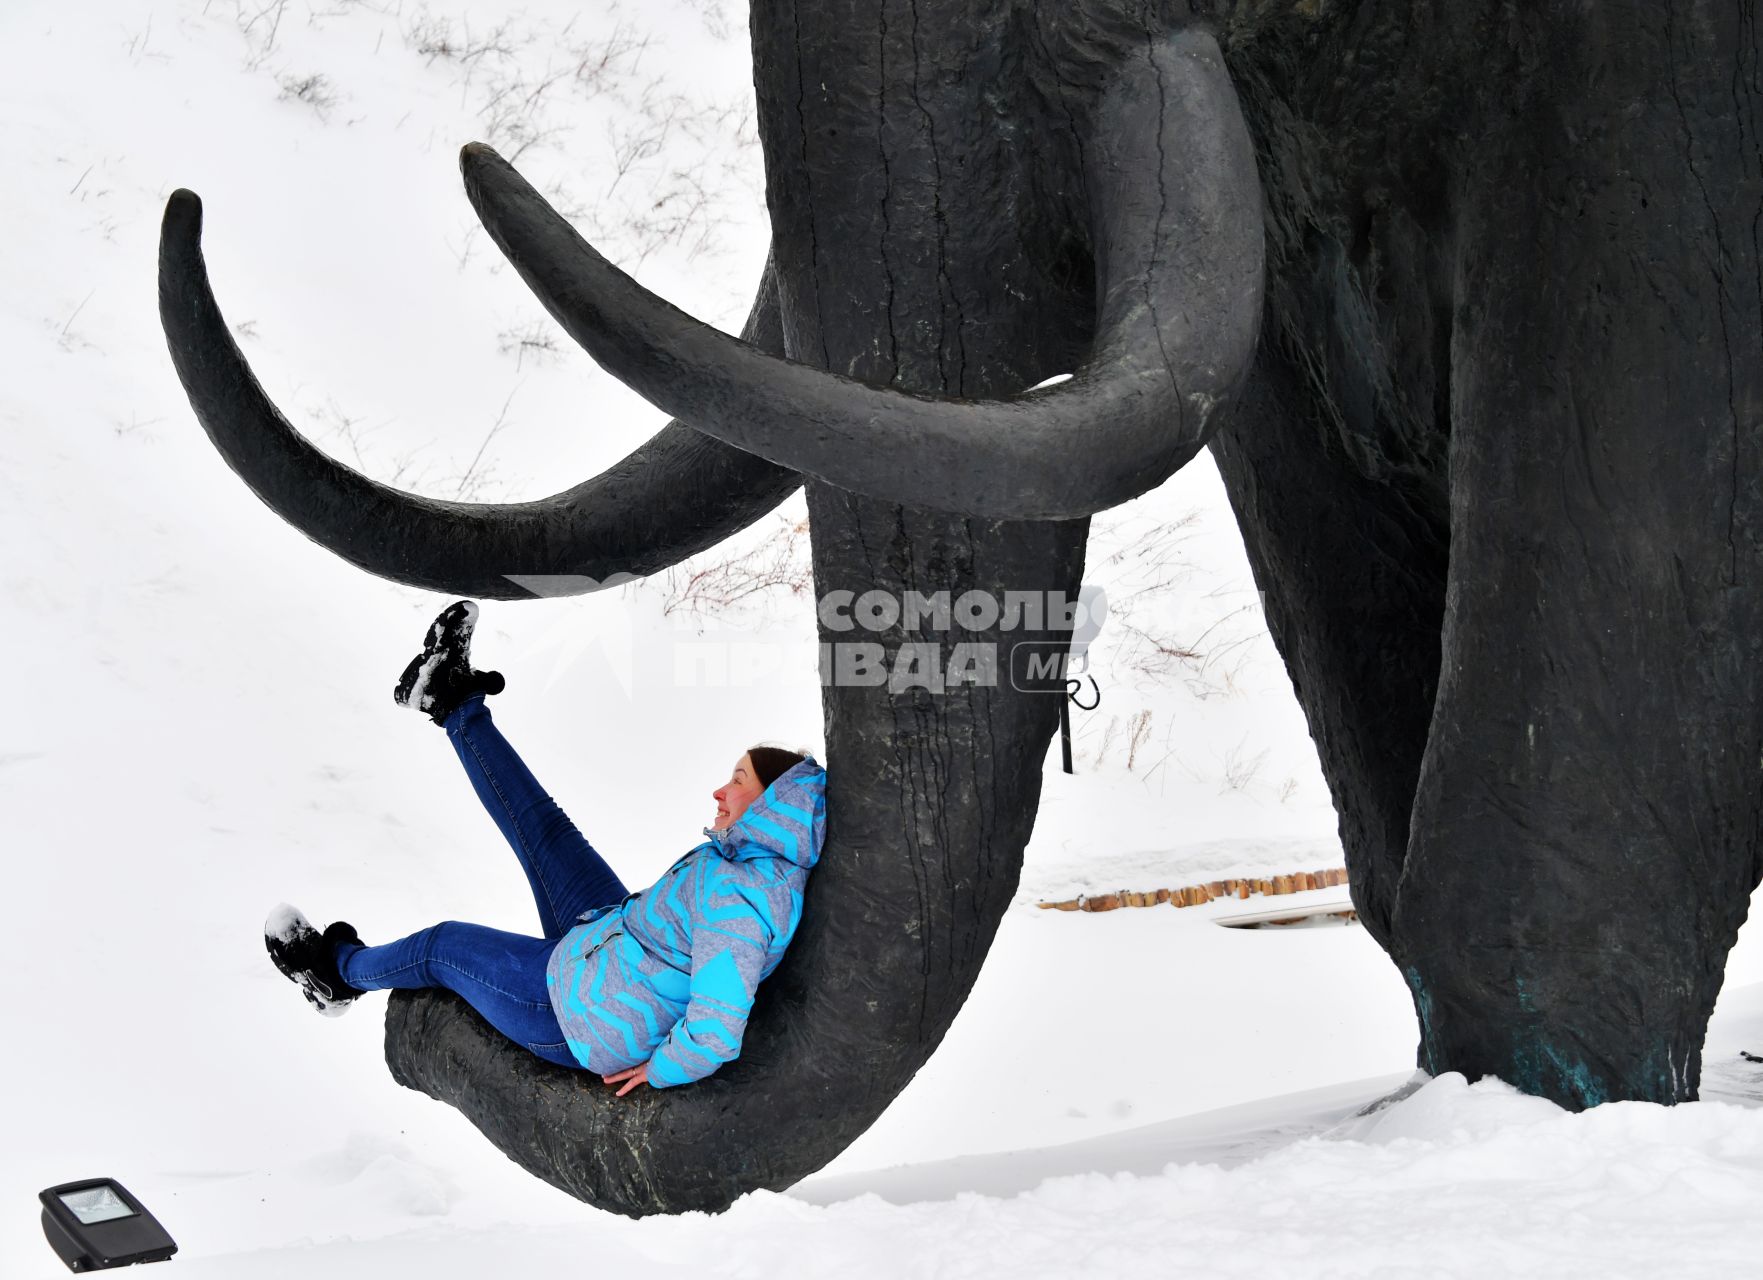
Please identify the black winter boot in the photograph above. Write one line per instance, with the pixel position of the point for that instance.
(440, 677)
(308, 958)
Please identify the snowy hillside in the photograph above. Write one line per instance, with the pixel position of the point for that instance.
(200, 727)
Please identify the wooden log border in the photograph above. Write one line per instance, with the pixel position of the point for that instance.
(1194, 895)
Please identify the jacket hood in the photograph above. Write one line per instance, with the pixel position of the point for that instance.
(788, 820)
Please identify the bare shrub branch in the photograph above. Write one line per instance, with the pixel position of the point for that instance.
(534, 340)
(1138, 729)
(260, 24)
(337, 424)
(468, 486)
(67, 338)
(780, 561)
(432, 36)
(315, 90)
(1240, 771)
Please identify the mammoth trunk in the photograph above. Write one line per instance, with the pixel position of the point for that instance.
(936, 800)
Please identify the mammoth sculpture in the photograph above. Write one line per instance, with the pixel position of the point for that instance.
(1476, 288)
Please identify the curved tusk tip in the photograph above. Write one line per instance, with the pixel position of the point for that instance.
(183, 214)
(478, 154)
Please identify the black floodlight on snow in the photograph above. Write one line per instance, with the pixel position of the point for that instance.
(96, 1224)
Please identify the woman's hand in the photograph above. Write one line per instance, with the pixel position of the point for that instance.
(632, 1077)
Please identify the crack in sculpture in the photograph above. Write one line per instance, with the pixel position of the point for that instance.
(1443, 267)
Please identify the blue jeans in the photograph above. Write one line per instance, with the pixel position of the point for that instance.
(501, 975)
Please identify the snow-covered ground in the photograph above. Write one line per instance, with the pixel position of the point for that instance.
(199, 727)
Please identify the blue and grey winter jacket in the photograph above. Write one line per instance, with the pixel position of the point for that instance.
(667, 976)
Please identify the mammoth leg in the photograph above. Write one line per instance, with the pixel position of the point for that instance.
(1352, 570)
(1586, 831)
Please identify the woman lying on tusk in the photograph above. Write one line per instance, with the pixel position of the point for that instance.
(652, 987)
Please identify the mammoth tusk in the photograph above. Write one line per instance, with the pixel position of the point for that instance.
(1175, 209)
(676, 495)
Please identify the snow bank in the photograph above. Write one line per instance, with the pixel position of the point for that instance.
(1456, 1180)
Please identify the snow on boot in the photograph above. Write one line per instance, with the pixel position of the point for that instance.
(440, 677)
(308, 958)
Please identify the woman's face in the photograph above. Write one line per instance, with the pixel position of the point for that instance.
(733, 796)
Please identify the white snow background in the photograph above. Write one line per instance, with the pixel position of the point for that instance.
(198, 725)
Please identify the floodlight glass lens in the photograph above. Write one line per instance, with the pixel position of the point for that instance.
(96, 1204)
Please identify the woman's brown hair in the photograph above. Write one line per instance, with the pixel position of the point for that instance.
(771, 762)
